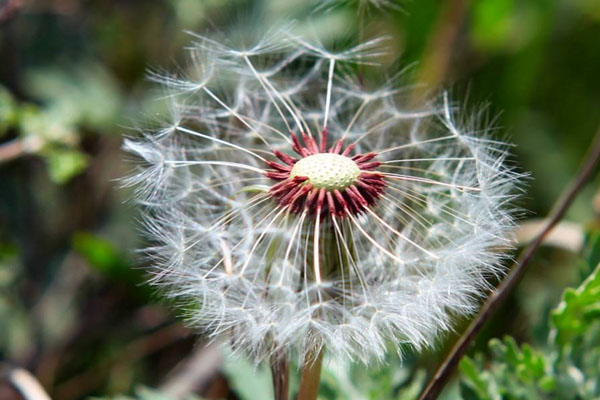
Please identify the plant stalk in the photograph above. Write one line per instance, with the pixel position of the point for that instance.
(280, 368)
(311, 374)
(438, 53)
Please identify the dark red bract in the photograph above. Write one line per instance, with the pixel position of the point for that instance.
(298, 193)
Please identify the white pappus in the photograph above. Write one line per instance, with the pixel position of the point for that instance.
(293, 207)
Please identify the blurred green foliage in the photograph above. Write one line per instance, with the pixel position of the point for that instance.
(103, 257)
(143, 393)
(89, 101)
(8, 111)
(247, 380)
(516, 373)
(576, 314)
(15, 331)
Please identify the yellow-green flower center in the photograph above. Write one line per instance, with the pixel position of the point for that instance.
(327, 170)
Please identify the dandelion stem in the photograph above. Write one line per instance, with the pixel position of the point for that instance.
(311, 374)
(444, 372)
(280, 372)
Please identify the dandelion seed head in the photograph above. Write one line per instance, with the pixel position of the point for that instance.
(292, 208)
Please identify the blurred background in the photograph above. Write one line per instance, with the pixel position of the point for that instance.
(74, 309)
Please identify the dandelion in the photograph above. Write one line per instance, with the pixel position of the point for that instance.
(362, 4)
(294, 209)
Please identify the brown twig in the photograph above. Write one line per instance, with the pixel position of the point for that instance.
(19, 147)
(25, 383)
(194, 373)
(443, 373)
(11, 150)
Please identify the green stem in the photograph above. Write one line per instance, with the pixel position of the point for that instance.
(311, 374)
(437, 55)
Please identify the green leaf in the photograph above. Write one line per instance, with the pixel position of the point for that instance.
(248, 381)
(492, 22)
(64, 164)
(8, 110)
(143, 393)
(414, 387)
(577, 310)
(475, 379)
(79, 95)
(45, 126)
(591, 251)
(547, 383)
(514, 372)
(103, 257)
(567, 369)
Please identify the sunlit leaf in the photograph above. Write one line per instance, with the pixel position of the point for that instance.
(64, 164)
(248, 381)
(578, 309)
(8, 112)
